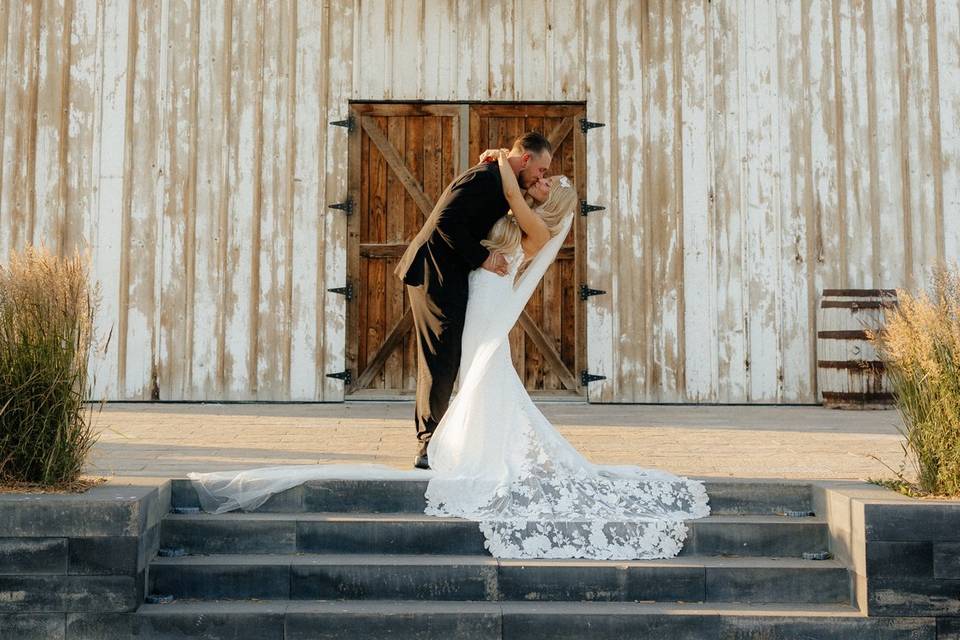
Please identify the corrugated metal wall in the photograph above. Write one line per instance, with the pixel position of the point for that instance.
(755, 153)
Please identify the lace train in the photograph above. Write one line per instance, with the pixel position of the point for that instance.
(553, 509)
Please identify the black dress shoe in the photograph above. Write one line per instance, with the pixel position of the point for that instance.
(421, 462)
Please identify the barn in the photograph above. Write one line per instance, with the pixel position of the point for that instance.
(245, 175)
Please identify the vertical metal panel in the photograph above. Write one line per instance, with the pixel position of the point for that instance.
(600, 41)
(797, 374)
(826, 182)
(111, 109)
(276, 232)
(947, 19)
(884, 79)
(762, 205)
(157, 206)
(726, 236)
(501, 43)
(17, 192)
(51, 97)
(212, 204)
(7, 42)
(81, 115)
(922, 144)
(473, 56)
(245, 191)
(755, 153)
(638, 116)
(341, 72)
(854, 127)
(309, 131)
(439, 48)
(696, 108)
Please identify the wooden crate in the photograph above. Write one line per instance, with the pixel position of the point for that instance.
(849, 372)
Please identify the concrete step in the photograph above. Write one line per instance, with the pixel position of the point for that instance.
(471, 577)
(727, 497)
(237, 532)
(302, 620)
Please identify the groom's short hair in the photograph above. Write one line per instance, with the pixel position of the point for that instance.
(533, 142)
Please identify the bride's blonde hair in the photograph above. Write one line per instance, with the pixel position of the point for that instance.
(506, 234)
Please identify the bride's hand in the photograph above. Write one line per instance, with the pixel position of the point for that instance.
(530, 223)
(490, 155)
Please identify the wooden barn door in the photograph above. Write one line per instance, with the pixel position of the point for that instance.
(547, 343)
(402, 156)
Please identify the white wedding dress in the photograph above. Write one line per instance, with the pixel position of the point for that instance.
(497, 460)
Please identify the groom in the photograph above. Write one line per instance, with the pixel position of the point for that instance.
(435, 266)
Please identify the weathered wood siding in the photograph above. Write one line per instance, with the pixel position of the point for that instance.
(755, 153)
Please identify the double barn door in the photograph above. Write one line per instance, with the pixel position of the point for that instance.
(402, 156)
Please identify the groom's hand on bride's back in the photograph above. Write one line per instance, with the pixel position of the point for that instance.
(496, 263)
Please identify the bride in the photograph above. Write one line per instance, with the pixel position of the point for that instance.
(498, 460)
(494, 457)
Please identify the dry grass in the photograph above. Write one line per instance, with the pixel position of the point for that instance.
(47, 309)
(920, 347)
(76, 486)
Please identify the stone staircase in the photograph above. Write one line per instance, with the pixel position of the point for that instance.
(343, 559)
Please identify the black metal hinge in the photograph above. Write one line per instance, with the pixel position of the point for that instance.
(587, 377)
(587, 208)
(586, 292)
(586, 125)
(346, 376)
(350, 124)
(346, 206)
(346, 291)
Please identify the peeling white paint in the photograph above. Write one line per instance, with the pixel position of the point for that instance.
(754, 154)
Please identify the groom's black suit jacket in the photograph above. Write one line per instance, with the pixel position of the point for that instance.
(435, 267)
(448, 245)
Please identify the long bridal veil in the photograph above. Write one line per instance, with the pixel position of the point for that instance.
(248, 489)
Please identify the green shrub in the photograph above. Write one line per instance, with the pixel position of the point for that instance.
(920, 348)
(46, 334)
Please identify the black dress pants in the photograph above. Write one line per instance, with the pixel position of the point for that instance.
(438, 306)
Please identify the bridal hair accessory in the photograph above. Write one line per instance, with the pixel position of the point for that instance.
(565, 182)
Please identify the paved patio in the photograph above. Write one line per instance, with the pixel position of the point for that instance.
(138, 441)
